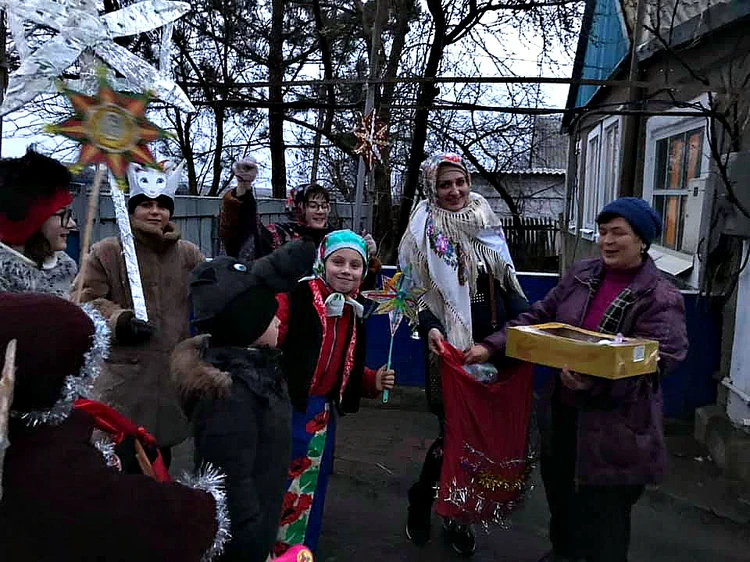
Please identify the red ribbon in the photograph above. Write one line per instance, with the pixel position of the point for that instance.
(118, 427)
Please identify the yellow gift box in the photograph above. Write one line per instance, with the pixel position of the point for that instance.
(582, 351)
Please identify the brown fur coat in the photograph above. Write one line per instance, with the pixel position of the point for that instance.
(136, 378)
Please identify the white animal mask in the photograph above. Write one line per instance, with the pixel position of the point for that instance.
(152, 182)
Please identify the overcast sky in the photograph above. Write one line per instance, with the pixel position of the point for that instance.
(523, 62)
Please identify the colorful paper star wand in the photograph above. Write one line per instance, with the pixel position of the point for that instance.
(111, 127)
(113, 130)
(399, 298)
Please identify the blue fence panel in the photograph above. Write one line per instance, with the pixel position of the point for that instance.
(408, 353)
(692, 385)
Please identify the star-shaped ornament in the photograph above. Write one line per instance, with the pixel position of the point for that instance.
(372, 136)
(111, 127)
(80, 29)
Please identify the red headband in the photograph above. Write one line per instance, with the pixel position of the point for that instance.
(16, 233)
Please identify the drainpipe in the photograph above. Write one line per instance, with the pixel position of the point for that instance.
(632, 123)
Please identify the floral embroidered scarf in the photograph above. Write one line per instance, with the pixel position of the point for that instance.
(445, 250)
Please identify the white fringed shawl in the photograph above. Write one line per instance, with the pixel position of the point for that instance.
(443, 249)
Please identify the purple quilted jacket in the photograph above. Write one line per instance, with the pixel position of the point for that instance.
(620, 431)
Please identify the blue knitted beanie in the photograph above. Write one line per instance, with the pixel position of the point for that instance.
(643, 219)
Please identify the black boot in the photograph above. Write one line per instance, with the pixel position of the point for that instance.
(420, 513)
(460, 537)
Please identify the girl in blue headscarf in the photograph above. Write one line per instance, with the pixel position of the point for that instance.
(322, 335)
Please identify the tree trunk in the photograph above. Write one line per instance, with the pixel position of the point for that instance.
(183, 139)
(216, 166)
(276, 97)
(425, 98)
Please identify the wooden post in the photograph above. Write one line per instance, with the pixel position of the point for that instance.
(632, 123)
(358, 221)
(86, 239)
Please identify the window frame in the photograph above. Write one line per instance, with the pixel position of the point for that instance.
(574, 211)
(596, 193)
(661, 127)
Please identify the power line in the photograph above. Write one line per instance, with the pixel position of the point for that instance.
(459, 106)
(448, 80)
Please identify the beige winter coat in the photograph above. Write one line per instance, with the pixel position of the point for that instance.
(136, 378)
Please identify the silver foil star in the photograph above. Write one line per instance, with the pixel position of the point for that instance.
(81, 29)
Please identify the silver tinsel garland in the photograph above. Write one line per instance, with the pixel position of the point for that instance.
(211, 480)
(104, 444)
(77, 385)
(471, 501)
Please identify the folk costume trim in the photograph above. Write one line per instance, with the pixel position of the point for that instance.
(306, 473)
(211, 480)
(320, 308)
(75, 386)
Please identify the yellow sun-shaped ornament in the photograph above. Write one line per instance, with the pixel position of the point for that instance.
(112, 129)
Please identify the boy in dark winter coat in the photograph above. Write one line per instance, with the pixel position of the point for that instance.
(245, 429)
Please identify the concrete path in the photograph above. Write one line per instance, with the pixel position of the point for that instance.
(379, 453)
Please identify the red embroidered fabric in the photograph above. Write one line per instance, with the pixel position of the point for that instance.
(486, 461)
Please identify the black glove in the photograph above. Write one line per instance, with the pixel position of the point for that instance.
(131, 330)
(125, 451)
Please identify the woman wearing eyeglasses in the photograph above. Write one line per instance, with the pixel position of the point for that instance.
(35, 221)
(311, 207)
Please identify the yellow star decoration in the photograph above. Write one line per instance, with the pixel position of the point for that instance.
(372, 135)
(111, 127)
(304, 556)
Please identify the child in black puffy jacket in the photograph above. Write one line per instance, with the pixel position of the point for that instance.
(240, 410)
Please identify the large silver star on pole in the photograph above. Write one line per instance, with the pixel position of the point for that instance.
(80, 28)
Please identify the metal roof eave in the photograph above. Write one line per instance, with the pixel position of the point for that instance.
(583, 38)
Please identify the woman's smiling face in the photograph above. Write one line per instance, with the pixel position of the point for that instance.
(57, 227)
(620, 246)
(452, 188)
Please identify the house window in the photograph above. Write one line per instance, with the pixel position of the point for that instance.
(678, 160)
(675, 170)
(591, 193)
(602, 171)
(575, 189)
(610, 162)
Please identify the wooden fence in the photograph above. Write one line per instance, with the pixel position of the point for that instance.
(534, 242)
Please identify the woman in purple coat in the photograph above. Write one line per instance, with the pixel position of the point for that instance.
(603, 440)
